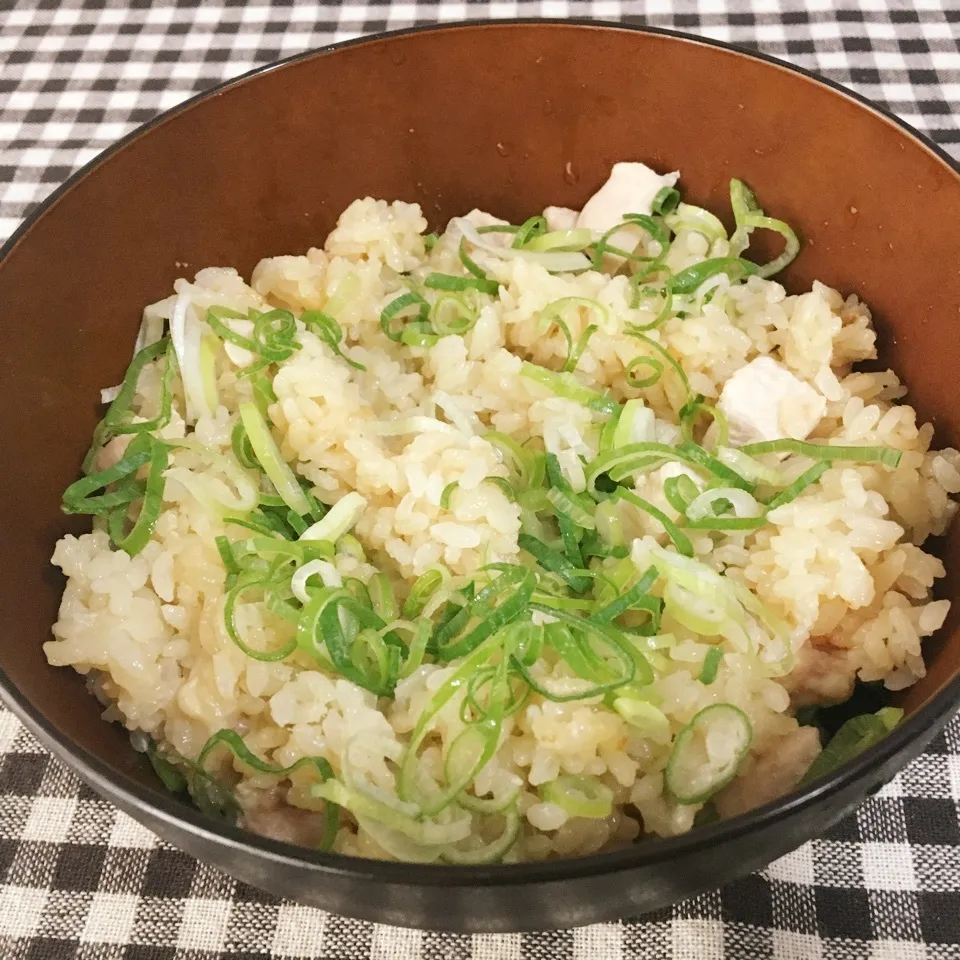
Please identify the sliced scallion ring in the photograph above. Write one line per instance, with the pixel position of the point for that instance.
(707, 753)
(579, 796)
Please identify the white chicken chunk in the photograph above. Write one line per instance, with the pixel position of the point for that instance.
(560, 218)
(630, 188)
(765, 401)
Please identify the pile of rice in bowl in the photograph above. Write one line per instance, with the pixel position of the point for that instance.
(506, 543)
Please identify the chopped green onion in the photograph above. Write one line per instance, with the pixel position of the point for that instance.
(806, 479)
(692, 409)
(425, 586)
(581, 644)
(791, 246)
(569, 505)
(312, 568)
(680, 540)
(518, 459)
(119, 418)
(462, 316)
(341, 518)
(707, 753)
(234, 742)
(268, 454)
(275, 335)
(409, 783)
(697, 455)
(78, 497)
(492, 851)
(749, 217)
(636, 332)
(643, 716)
(636, 423)
(711, 665)
(556, 261)
(742, 504)
(644, 222)
(214, 495)
(567, 386)
(382, 597)
(406, 307)
(555, 562)
(609, 526)
(855, 736)
(579, 796)
(447, 494)
(574, 239)
(552, 314)
(470, 266)
(679, 492)
(750, 469)
(136, 539)
(443, 281)
(329, 331)
(641, 383)
(230, 624)
(887, 456)
(631, 600)
(666, 200)
(568, 528)
(529, 230)
(687, 217)
(169, 774)
(496, 605)
(688, 281)
(350, 633)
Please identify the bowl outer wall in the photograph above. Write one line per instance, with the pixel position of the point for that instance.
(264, 164)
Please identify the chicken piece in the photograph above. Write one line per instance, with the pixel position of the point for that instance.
(823, 675)
(765, 401)
(631, 188)
(267, 813)
(775, 773)
(560, 218)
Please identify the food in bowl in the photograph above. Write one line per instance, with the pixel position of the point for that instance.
(507, 543)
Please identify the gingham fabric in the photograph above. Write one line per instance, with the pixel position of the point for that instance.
(79, 879)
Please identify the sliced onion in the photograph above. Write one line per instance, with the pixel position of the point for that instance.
(554, 261)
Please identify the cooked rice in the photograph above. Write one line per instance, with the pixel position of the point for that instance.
(843, 564)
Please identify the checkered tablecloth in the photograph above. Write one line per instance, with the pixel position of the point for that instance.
(79, 879)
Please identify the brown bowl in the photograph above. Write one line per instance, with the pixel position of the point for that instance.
(507, 117)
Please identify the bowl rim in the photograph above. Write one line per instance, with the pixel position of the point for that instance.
(180, 815)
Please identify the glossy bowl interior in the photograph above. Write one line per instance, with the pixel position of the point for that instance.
(509, 118)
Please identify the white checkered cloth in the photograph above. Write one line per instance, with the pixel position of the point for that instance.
(79, 879)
